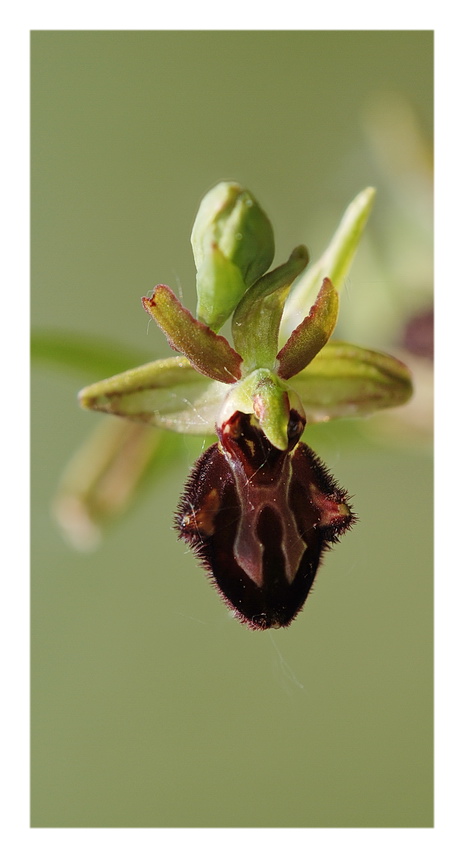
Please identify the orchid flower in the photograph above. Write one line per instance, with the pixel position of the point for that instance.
(259, 508)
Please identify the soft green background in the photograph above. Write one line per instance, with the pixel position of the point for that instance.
(151, 706)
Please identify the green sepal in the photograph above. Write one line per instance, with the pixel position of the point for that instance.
(311, 335)
(209, 353)
(334, 263)
(220, 286)
(348, 381)
(168, 393)
(256, 321)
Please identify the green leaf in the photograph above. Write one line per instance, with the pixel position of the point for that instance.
(311, 335)
(348, 381)
(208, 352)
(334, 263)
(168, 393)
(256, 321)
(66, 350)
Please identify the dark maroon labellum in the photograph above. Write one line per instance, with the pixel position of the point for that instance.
(260, 518)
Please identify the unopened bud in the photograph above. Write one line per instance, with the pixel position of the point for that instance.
(233, 245)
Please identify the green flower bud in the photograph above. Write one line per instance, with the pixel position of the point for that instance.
(220, 287)
(233, 245)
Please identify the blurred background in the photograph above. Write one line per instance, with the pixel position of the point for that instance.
(151, 706)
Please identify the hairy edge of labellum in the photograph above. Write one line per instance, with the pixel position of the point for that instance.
(259, 520)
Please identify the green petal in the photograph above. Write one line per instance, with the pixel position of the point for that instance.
(311, 335)
(168, 393)
(256, 321)
(348, 381)
(334, 263)
(209, 353)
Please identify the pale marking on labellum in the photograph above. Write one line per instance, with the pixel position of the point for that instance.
(248, 548)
